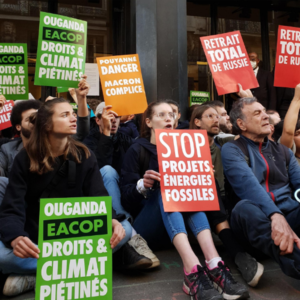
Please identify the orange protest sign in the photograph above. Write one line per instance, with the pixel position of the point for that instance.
(122, 84)
(187, 179)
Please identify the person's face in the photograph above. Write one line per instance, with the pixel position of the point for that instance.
(209, 122)
(177, 114)
(297, 139)
(256, 120)
(115, 123)
(225, 124)
(161, 117)
(26, 127)
(276, 118)
(63, 120)
(253, 58)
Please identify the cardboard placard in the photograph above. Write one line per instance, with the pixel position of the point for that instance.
(197, 97)
(185, 165)
(122, 84)
(5, 115)
(13, 71)
(229, 62)
(75, 260)
(61, 51)
(287, 65)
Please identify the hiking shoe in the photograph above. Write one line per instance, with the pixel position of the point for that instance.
(127, 258)
(18, 284)
(199, 286)
(141, 247)
(225, 283)
(250, 269)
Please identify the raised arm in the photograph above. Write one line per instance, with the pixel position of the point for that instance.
(290, 120)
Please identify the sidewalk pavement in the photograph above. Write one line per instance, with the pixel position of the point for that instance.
(165, 282)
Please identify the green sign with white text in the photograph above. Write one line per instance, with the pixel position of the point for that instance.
(13, 71)
(197, 97)
(75, 260)
(61, 51)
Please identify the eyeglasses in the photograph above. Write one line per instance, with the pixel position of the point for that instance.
(163, 115)
(212, 116)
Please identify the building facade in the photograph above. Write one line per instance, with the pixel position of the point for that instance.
(165, 33)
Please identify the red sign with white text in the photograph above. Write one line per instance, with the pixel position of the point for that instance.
(287, 65)
(5, 114)
(229, 62)
(187, 178)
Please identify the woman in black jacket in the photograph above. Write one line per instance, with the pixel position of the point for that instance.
(141, 195)
(49, 148)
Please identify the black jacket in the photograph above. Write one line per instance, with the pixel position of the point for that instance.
(131, 172)
(108, 150)
(266, 92)
(19, 212)
(130, 129)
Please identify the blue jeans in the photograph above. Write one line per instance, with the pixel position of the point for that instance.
(111, 182)
(253, 228)
(3, 185)
(175, 221)
(149, 223)
(9, 263)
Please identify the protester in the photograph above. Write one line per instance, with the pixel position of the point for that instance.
(110, 146)
(265, 176)
(128, 127)
(141, 195)
(207, 118)
(224, 120)
(284, 98)
(21, 125)
(266, 92)
(176, 110)
(50, 153)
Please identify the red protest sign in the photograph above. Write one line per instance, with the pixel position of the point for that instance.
(287, 65)
(229, 62)
(5, 114)
(187, 179)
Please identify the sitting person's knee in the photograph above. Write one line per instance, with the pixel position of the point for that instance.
(108, 171)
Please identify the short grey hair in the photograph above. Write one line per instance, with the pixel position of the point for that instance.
(236, 113)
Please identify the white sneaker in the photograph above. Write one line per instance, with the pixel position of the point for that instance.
(18, 284)
(141, 247)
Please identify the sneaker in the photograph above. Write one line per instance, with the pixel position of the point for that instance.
(225, 283)
(250, 269)
(127, 258)
(18, 284)
(141, 247)
(199, 286)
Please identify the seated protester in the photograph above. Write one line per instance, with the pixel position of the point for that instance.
(20, 115)
(128, 127)
(110, 146)
(265, 176)
(225, 125)
(105, 141)
(176, 110)
(207, 118)
(141, 195)
(47, 155)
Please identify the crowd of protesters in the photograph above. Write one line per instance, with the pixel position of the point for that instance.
(57, 153)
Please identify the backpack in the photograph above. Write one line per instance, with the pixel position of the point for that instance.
(144, 161)
(232, 198)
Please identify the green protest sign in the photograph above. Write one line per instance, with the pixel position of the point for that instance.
(61, 51)
(75, 260)
(62, 89)
(13, 71)
(197, 97)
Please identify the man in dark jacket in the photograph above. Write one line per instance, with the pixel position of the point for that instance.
(266, 92)
(110, 146)
(266, 176)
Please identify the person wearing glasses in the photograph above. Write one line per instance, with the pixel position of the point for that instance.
(141, 196)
